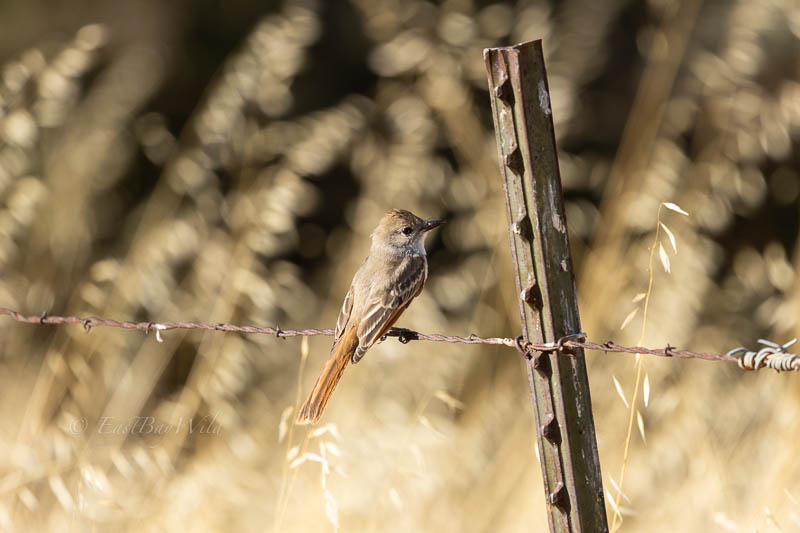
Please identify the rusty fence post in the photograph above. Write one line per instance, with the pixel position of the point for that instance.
(547, 297)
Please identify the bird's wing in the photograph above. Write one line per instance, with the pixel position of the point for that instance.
(344, 315)
(390, 302)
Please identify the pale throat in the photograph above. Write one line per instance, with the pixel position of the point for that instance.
(415, 247)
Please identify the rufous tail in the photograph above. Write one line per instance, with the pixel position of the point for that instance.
(341, 353)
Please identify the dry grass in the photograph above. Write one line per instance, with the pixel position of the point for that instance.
(122, 196)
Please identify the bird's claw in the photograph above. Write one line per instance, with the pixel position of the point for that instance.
(405, 335)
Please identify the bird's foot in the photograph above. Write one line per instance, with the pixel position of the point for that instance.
(406, 335)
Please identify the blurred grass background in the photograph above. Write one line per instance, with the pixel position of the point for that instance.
(227, 161)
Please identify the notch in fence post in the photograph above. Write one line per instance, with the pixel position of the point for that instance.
(548, 303)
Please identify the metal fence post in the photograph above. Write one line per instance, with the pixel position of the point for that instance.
(547, 297)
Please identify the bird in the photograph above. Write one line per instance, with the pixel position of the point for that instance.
(391, 276)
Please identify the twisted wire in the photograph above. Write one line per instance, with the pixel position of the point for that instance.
(772, 356)
(404, 335)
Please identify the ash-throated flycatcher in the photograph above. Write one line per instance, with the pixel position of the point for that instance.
(389, 278)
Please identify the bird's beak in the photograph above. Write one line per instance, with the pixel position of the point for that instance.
(430, 224)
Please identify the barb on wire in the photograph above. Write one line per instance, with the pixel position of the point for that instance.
(773, 355)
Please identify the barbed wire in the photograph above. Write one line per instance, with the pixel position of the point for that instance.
(773, 355)
(404, 335)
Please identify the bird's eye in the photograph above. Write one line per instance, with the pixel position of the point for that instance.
(407, 230)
